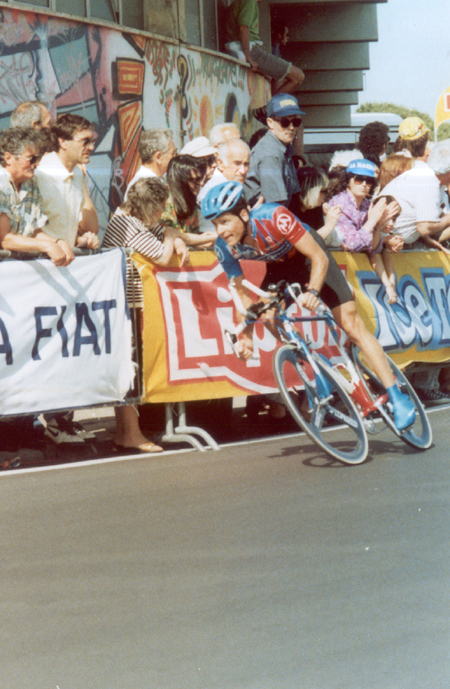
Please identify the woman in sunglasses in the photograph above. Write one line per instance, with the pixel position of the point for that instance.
(360, 224)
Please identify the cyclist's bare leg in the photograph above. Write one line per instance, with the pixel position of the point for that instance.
(351, 322)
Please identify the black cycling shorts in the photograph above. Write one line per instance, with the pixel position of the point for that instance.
(335, 290)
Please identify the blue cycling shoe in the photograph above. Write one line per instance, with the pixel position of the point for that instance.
(404, 409)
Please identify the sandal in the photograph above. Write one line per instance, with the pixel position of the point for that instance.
(147, 447)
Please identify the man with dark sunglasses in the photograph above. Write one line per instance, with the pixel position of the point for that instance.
(272, 171)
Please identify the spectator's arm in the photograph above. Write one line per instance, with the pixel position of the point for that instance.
(172, 243)
(435, 244)
(445, 235)
(428, 228)
(244, 37)
(89, 219)
(205, 239)
(331, 217)
(58, 251)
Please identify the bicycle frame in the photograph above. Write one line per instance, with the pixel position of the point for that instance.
(284, 323)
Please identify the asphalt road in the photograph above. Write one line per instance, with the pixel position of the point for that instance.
(262, 566)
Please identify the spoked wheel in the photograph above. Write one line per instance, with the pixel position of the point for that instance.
(321, 407)
(419, 435)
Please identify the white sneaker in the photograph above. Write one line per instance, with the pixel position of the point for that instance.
(61, 435)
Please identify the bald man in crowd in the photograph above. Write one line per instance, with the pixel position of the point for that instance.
(233, 162)
(31, 113)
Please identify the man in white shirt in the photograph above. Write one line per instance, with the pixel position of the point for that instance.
(418, 193)
(156, 149)
(71, 217)
(65, 198)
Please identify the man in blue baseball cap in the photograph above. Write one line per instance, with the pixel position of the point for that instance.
(272, 172)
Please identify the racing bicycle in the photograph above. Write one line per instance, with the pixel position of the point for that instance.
(336, 402)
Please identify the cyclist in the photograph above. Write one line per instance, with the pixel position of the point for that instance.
(271, 233)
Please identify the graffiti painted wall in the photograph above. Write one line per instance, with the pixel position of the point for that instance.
(122, 82)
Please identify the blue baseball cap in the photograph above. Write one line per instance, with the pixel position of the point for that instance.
(283, 105)
(362, 167)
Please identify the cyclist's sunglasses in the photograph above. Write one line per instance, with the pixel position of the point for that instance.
(360, 179)
(286, 121)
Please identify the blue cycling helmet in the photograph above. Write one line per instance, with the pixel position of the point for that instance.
(221, 199)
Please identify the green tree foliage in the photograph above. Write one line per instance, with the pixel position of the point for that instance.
(400, 110)
(443, 131)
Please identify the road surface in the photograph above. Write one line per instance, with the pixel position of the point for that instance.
(262, 566)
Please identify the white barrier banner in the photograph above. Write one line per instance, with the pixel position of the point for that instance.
(65, 334)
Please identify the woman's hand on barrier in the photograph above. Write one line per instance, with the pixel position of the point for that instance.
(181, 251)
(88, 240)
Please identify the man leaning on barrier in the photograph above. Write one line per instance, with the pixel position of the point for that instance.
(274, 235)
(61, 176)
(22, 221)
(72, 219)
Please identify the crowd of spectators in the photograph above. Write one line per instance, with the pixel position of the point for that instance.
(370, 200)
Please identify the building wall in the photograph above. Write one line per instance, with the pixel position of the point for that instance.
(122, 81)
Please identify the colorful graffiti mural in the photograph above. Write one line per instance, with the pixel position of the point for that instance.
(122, 82)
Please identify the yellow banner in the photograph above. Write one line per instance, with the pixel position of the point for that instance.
(417, 328)
(187, 357)
(442, 109)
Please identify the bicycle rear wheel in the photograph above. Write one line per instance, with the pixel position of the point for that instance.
(419, 435)
(333, 421)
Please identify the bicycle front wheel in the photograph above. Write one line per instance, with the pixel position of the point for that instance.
(419, 435)
(321, 407)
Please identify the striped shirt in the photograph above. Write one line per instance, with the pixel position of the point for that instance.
(126, 230)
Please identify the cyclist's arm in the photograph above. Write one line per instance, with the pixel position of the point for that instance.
(245, 343)
(307, 246)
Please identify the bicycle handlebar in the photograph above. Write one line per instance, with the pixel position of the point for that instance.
(274, 296)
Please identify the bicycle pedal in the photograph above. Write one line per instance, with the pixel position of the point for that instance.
(370, 426)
